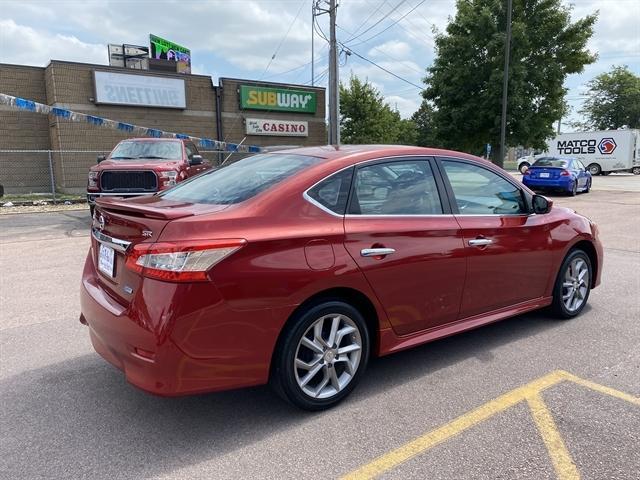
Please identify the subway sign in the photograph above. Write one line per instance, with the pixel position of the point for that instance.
(277, 99)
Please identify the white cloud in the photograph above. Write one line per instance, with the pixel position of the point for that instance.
(24, 45)
(392, 48)
(237, 38)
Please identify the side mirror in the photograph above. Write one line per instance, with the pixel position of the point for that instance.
(101, 158)
(541, 205)
(195, 160)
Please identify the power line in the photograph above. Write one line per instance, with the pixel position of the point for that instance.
(390, 26)
(404, 62)
(367, 19)
(283, 38)
(349, 50)
(384, 17)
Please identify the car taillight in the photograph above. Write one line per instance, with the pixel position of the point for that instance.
(180, 261)
(93, 180)
(565, 173)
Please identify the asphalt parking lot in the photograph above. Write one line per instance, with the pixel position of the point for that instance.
(529, 397)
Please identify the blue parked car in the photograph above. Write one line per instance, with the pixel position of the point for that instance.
(556, 173)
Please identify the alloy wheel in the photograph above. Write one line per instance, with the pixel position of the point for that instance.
(575, 284)
(328, 356)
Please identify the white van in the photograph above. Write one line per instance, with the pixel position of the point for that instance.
(602, 152)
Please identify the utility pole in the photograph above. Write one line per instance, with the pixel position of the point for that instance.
(313, 19)
(334, 101)
(505, 87)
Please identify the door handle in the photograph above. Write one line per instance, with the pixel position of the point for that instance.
(480, 242)
(376, 252)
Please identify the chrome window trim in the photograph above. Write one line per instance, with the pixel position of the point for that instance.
(115, 243)
(124, 194)
(426, 215)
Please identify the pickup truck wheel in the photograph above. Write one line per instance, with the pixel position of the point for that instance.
(594, 169)
(635, 170)
(524, 166)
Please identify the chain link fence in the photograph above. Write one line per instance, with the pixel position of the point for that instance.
(55, 172)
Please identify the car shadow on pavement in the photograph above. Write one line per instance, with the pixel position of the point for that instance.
(80, 419)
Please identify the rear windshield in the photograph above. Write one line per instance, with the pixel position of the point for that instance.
(149, 150)
(241, 180)
(550, 162)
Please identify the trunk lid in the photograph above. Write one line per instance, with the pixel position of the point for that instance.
(545, 172)
(118, 225)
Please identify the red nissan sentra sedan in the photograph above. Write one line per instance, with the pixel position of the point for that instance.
(295, 267)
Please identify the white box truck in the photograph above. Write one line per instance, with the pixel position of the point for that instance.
(601, 152)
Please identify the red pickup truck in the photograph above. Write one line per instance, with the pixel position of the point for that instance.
(143, 166)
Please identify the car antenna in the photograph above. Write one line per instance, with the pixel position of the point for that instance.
(231, 153)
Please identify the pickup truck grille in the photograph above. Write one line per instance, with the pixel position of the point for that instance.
(128, 181)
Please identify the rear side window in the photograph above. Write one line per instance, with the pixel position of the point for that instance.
(332, 192)
(240, 180)
(395, 188)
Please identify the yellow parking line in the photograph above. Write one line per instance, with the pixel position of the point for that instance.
(530, 392)
(562, 462)
(459, 425)
(602, 389)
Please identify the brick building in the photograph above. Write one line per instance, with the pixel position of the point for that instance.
(202, 109)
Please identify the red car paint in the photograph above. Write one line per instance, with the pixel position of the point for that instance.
(174, 338)
(184, 166)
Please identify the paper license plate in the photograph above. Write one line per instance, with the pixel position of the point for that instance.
(106, 256)
(544, 175)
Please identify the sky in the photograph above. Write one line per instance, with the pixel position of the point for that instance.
(271, 39)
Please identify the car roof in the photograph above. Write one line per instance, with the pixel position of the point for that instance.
(348, 154)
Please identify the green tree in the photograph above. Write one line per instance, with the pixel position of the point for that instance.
(366, 118)
(423, 120)
(613, 101)
(465, 81)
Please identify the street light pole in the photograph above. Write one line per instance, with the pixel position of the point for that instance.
(505, 88)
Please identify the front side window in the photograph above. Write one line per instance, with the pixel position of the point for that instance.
(240, 180)
(148, 150)
(395, 188)
(479, 191)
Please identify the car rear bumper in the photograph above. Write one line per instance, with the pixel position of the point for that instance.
(170, 349)
(550, 183)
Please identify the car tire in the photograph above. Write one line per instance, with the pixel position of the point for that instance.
(574, 189)
(594, 169)
(524, 166)
(572, 287)
(587, 189)
(635, 170)
(304, 349)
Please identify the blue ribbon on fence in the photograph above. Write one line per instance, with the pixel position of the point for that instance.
(152, 132)
(32, 106)
(95, 120)
(126, 127)
(25, 104)
(61, 112)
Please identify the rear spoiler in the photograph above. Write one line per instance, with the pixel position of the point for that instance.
(168, 211)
